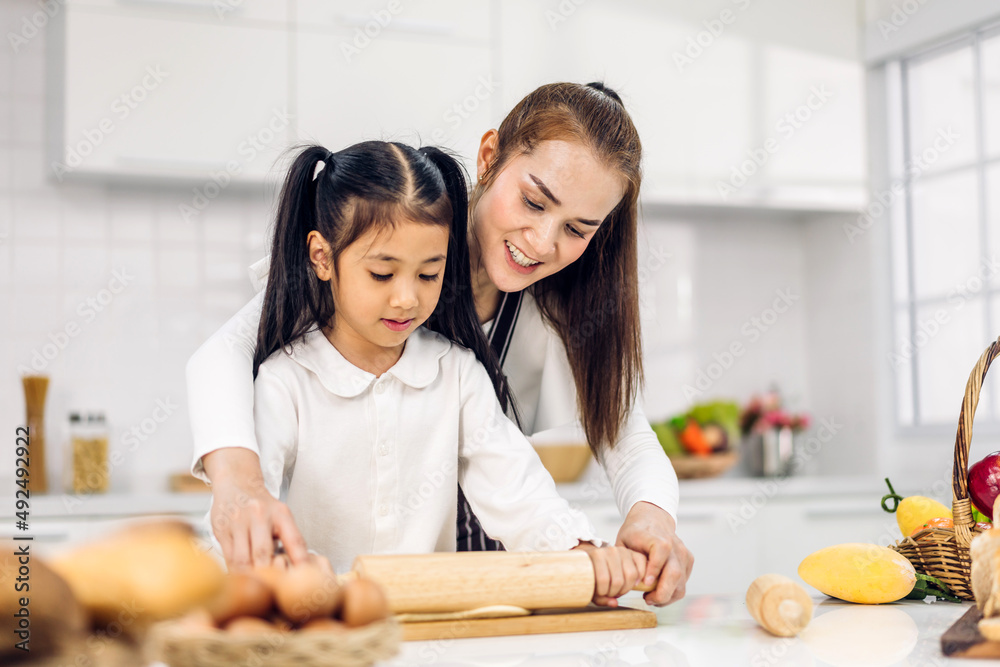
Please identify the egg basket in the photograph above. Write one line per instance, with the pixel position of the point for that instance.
(941, 552)
(180, 646)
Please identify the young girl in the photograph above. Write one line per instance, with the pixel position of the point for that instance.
(365, 419)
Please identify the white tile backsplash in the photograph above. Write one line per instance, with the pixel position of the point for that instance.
(37, 265)
(37, 215)
(179, 268)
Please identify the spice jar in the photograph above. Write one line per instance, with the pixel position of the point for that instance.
(89, 445)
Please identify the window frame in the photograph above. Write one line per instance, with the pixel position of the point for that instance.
(899, 158)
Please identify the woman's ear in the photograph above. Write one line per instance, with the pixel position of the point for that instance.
(487, 153)
(319, 255)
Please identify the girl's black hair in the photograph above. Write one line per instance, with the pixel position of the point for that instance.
(369, 185)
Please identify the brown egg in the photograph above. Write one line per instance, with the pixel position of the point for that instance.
(243, 594)
(324, 625)
(249, 626)
(197, 620)
(364, 603)
(307, 591)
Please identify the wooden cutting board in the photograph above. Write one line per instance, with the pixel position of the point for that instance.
(963, 639)
(538, 623)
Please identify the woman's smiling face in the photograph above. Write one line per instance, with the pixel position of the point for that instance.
(541, 211)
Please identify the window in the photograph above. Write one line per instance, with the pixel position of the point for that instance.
(944, 197)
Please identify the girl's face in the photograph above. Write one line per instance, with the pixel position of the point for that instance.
(541, 212)
(388, 284)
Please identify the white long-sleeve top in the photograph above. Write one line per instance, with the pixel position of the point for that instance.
(370, 464)
(221, 400)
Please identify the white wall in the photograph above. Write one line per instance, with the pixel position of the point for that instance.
(59, 246)
(820, 352)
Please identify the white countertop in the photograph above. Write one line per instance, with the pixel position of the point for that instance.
(593, 489)
(710, 630)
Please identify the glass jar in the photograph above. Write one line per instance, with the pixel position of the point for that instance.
(89, 448)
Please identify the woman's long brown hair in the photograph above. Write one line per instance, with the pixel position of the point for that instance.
(593, 304)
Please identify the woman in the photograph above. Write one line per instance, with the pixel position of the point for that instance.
(553, 245)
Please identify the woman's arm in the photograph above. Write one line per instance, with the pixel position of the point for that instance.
(226, 456)
(220, 388)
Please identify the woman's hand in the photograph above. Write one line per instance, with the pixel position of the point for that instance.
(651, 531)
(617, 570)
(246, 518)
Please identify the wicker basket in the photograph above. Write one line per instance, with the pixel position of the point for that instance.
(179, 646)
(701, 467)
(944, 553)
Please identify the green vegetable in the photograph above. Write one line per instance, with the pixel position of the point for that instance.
(668, 440)
(927, 585)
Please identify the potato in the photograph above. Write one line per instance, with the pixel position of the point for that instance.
(143, 573)
(243, 594)
(364, 603)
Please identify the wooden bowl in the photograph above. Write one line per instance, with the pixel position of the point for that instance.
(702, 467)
(565, 461)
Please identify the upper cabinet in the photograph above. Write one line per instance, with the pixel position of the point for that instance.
(414, 72)
(739, 103)
(163, 91)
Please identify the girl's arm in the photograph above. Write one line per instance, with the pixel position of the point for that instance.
(642, 479)
(226, 456)
(515, 498)
(504, 480)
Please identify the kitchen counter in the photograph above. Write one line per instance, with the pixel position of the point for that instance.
(710, 630)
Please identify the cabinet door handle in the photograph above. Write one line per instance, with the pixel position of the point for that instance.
(415, 26)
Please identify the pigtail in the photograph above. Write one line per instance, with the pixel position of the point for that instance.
(293, 300)
(455, 315)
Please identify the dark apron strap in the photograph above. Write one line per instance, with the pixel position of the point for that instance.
(469, 533)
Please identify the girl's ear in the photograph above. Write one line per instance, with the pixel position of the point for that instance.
(487, 153)
(319, 256)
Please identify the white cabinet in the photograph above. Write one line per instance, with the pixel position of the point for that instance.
(720, 95)
(415, 91)
(145, 93)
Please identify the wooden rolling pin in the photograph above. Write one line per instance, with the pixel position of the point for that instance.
(780, 605)
(448, 582)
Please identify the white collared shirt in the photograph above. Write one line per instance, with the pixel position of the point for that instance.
(370, 465)
(221, 401)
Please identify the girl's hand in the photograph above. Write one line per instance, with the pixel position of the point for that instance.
(651, 531)
(617, 570)
(246, 518)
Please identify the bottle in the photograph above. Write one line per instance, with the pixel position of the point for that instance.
(89, 443)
